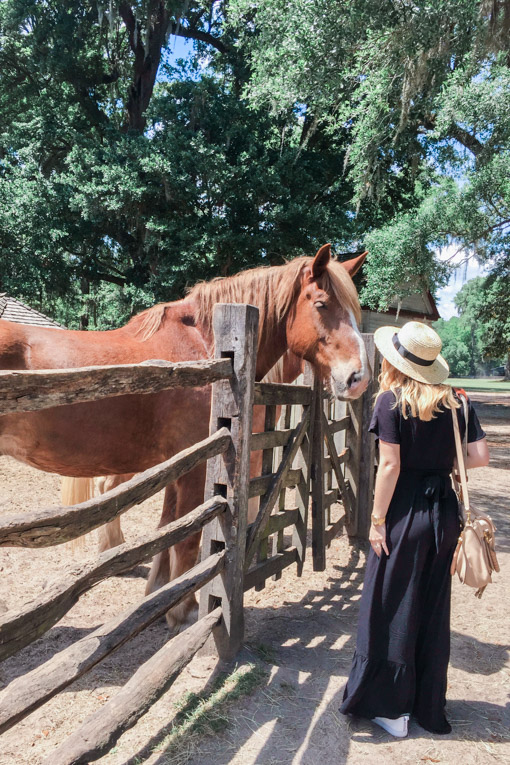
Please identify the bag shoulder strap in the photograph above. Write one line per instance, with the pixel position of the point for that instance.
(460, 455)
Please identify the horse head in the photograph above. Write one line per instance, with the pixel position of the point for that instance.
(322, 325)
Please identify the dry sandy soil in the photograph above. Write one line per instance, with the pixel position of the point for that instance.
(300, 638)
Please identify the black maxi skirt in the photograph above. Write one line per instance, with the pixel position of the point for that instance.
(403, 643)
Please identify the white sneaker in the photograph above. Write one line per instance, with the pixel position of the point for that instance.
(397, 728)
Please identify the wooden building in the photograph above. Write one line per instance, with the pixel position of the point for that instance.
(418, 307)
(12, 309)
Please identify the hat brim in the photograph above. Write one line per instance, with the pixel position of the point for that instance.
(434, 374)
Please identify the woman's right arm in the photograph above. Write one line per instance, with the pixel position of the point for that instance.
(477, 454)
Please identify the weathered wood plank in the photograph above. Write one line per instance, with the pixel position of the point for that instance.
(281, 393)
(367, 448)
(335, 426)
(262, 571)
(283, 519)
(270, 440)
(54, 525)
(30, 691)
(235, 335)
(304, 462)
(20, 628)
(278, 537)
(261, 484)
(267, 466)
(274, 490)
(103, 728)
(28, 391)
(334, 529)
(342, 457)
(346, 494)
(318, 483)
(330, 497)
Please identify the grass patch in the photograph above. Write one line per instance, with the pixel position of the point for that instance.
(480, 383)
(265, 652)
(208, 713)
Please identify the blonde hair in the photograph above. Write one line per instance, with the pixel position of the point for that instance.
(419, 399)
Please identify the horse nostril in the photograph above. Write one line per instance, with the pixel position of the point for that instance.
(353, 379)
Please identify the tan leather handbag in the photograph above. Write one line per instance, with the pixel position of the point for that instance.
(475, 558)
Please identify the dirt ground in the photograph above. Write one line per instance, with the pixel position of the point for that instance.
(299, 641)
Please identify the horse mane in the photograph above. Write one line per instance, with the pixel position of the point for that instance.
(272, 289)
(144, 325)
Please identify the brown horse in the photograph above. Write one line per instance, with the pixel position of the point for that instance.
(79, 489)
(308, 305)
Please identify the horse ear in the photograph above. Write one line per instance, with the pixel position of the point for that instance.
(353, 265)
(321, 260)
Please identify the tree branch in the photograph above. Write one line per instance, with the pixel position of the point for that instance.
(196, 34)
(111, 278)
(464, 137)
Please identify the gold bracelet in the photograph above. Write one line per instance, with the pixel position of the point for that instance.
(377, 520)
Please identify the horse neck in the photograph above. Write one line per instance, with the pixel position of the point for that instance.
(271, 347)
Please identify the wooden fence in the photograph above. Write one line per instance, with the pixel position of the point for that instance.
(311, 448)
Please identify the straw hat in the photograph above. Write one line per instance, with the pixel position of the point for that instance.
(414, 350)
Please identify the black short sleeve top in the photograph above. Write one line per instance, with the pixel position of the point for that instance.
(423, 445)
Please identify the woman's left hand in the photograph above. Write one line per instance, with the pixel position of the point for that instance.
(377, 537)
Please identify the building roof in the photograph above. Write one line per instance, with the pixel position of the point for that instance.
(14, 310)
(419, 306)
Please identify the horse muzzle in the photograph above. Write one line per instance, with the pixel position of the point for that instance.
(351, 385)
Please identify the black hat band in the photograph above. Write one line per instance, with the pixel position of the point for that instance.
(408, 355)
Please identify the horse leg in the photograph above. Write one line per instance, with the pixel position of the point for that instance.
(160, 570)
(74, 491)
(110, 535)
(189, 493)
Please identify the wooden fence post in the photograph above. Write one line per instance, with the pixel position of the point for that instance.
(353, 439)
(303, 487)
(235, 336)
(367, 446)
(317, 471)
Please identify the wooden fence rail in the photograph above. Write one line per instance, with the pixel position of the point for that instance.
(314, 444)
(46, 388)
(102, 729)
(52, 526)
(23, 627)
(28, 692)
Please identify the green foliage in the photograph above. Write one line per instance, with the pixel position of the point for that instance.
(423, 90)
(126, 176)
(482, 330)
(461, 349)
(101, 189)
(495, 314)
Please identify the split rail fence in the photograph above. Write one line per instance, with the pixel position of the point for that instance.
(310, 446)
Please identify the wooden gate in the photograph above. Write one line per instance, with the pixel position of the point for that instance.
(299, 456)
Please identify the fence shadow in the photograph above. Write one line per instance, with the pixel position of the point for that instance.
(294, 718)
(300, 672)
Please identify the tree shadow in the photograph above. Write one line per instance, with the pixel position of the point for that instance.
(300, 674)
(40, 651)
(117, 667)
(305, 644)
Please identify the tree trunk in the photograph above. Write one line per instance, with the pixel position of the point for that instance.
(147, 49)
(85, 291)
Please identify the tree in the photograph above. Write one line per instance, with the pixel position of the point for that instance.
(123, 168)
(495, 315)
(127, 175)
(458, 347)
(482, 330)
(423, 90)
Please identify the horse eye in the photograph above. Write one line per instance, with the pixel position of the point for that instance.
(320, 304)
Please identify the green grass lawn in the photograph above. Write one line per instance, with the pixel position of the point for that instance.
(480, 383)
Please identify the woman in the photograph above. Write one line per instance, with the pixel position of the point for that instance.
(403, 644)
